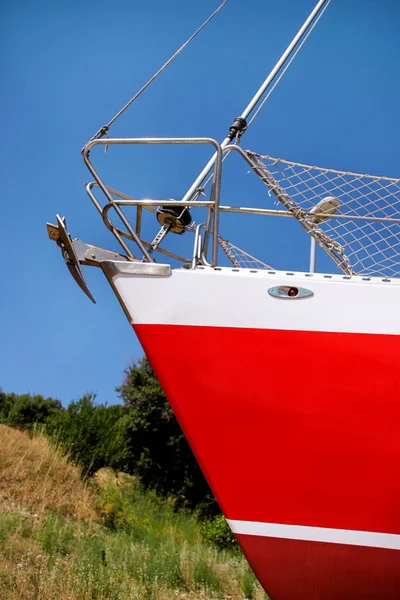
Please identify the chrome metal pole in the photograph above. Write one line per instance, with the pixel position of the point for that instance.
(312, 254)
(283, 59)
(249, 108)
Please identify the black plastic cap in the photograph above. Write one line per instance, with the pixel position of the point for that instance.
(238, 126)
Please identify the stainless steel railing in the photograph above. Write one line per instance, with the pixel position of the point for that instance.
(116, 200)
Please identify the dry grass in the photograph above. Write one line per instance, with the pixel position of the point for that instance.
(105, 477)
(34, 477)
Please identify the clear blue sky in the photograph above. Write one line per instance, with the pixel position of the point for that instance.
(67, 67)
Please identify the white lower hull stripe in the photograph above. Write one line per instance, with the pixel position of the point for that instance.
(317, 534)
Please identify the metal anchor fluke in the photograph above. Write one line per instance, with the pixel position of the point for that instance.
(60, 235)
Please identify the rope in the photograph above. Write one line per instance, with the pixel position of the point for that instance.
(103, 130)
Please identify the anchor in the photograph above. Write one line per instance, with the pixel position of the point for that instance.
(75, 253)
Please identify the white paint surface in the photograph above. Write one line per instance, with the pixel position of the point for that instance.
(317, 534)
(229, 298)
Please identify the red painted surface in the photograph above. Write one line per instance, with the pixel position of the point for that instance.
(298, 570)
(291, 427)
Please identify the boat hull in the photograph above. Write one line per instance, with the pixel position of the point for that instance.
(300, 570)
(294, 422)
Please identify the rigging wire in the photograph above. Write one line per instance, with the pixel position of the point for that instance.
(295, 53)
(104, 130)
(281, 74)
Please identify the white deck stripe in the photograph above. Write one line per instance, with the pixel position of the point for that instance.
(317, 534)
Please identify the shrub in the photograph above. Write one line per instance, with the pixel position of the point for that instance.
(161, 456)
(217, 531)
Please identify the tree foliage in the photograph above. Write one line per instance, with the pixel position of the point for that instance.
(162, 457)
(89, 432)
(23, 411)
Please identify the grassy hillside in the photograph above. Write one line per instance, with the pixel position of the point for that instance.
(62, 539)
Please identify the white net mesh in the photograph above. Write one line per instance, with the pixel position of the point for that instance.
(354, 217)
(239, 258)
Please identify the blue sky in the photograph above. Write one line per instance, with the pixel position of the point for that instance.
(67, 67)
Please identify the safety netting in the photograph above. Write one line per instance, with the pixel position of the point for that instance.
(240, 258)
(354, 217)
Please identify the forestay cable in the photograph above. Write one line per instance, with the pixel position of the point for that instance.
(295, 53)
(103, 130)
(281, 74)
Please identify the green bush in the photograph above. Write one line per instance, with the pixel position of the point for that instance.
(217, 531)
(90, 433)
(23, 411)
(160, 454)
(145, 516)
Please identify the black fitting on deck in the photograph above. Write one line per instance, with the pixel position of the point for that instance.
(237, 128)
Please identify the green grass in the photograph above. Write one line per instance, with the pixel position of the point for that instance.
(141, 550)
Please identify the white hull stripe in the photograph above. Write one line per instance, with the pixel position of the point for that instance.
(317, 534)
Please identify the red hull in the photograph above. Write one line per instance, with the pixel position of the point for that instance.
(299, 570)
(281, 443)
